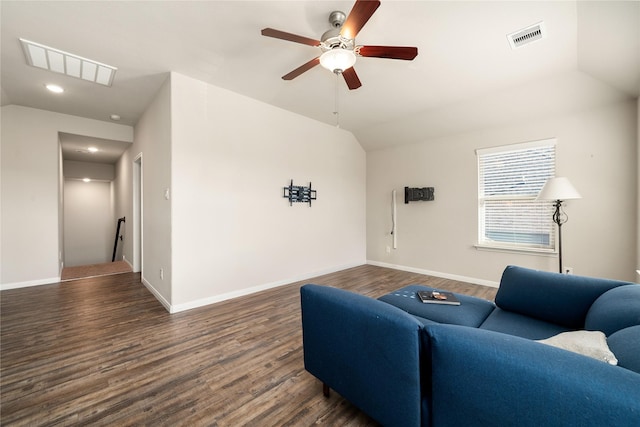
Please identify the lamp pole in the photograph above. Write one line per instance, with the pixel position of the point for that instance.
(557, 218)
(558, 189)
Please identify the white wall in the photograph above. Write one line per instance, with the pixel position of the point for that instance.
(91, 170)
(60, 208)
(30, 177)
(153, 140)
(88, 222)
(596, 150)
(232, 230)
(122, 204)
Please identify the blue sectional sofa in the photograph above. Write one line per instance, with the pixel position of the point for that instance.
(406, 363)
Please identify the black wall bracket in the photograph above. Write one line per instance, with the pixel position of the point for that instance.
(298, 194)
(416, 194)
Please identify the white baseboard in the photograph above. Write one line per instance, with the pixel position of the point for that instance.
(157, 294)
(473, 280)
(127, 261)
(247, 291)
(28, 283)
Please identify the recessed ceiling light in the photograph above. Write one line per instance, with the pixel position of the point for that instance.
(55, 88)
(115, 117)
(92, 149)
(86, 179)
(58, 61)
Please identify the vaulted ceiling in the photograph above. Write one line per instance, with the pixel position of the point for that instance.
(466, 76)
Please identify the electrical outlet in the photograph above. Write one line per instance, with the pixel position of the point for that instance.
(568, 270)
(161, 274)
(388, 249)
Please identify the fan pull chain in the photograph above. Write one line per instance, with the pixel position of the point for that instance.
(336, 110)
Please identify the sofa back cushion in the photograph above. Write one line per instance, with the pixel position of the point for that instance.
(482, 378)
(614, 310)
(562, 299)
(625, 344)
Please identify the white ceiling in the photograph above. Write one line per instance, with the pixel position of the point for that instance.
(76, 148)
(465, 76)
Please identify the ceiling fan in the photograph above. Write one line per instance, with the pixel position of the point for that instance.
(338, 47)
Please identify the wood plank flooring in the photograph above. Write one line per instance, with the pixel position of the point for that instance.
(93, 270)
(103, 351)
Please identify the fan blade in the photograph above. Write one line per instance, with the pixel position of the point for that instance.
(391, 52)
(351, 78)
(301, 69)
(270, 32)
(359, 15)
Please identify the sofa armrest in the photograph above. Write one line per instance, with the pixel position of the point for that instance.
(482, 377)
(366, 350)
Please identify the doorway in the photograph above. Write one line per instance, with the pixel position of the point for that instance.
(92, 196)
(88, 230)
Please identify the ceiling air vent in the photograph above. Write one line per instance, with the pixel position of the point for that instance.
(58, 61)
(527, 35)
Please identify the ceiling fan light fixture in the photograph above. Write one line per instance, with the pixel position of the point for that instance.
(338, 59)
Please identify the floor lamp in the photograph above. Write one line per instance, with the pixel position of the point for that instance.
(559, 189)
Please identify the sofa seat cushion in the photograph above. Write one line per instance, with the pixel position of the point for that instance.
(519, 325)
(625, 344)
(472, 311)
(615, 309)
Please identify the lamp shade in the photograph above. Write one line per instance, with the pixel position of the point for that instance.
(338, 59)
(558, 188)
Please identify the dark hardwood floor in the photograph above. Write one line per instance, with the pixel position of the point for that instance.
(103, 351)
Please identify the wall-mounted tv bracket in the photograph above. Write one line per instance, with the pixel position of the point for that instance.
(416, 194)
(299, 194)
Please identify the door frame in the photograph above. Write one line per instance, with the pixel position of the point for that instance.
(138, 214)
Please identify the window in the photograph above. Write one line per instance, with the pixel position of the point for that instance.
(509, 180)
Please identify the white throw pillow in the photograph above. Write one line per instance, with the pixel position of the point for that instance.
(588, 343)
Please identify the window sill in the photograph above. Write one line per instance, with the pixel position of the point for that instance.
(511, 249)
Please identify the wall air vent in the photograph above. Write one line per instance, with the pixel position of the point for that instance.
(527, 35)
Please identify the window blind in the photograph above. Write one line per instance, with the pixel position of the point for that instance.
(509, 180)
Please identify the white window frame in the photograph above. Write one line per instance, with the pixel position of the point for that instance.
(520, 219)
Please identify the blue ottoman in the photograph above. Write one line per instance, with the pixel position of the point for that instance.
(472, 311)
